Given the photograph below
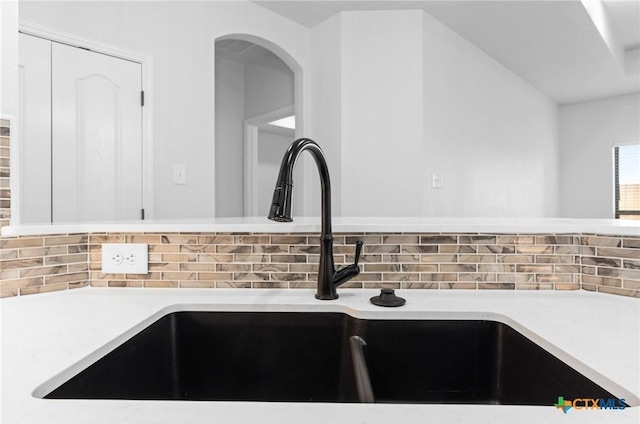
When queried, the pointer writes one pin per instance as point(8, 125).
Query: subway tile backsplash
point(607, 264)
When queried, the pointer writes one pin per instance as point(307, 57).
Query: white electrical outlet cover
point(125, 258)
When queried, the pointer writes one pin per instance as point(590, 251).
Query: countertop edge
point(344, 225)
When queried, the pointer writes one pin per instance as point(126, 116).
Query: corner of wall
point(9, 58)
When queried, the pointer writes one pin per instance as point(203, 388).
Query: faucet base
point(326, 296)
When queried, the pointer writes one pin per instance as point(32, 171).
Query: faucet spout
point(328, 278)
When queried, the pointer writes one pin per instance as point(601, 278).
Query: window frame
point(616, 181)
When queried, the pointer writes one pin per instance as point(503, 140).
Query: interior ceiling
point(249, 53)
point(553, 45)
point(625, 15)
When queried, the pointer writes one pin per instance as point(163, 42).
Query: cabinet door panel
point(97, 141)
point(35, 129)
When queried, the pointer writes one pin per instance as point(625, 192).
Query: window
point(627, 181)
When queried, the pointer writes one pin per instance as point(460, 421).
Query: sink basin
point(305, 357)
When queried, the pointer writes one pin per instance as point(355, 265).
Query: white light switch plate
point(125, 258)
point(179, 174)
point(436, 181)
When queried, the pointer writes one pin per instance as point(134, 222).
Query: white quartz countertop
point(46, 334)
point(345, 225)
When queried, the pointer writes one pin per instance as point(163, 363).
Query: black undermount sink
point(302, 357)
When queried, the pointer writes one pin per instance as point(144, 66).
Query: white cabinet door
point(96, 136)
point(35, 130)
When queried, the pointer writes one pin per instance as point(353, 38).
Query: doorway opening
point(267, 137)
point(254, 87)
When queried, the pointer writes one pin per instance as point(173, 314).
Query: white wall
point(588, 132)
point(180, 36)
point(382, 110)
point(266, 90)
point(326, 111)
point(230, 117)
point(489, 135)
point(9, 58)
point(411, 98)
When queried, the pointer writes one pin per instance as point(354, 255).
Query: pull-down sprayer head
point(280, 210)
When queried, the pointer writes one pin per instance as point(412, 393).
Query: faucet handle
point(348, 272)
point(359, 244)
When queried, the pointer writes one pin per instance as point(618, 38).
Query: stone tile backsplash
point(611, 264)
point(5, 173)
point(37, 264)
point(442, 261)
point(605, 264)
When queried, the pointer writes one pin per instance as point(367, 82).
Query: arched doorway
point(255, 85)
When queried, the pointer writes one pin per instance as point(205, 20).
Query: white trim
point(214, 139)
point(613, 180)
point(147, 139)
point(250, 164)
point(52, 34)
point(614, 146)
point(251, 155)
point(626, 143)
point(146, 62)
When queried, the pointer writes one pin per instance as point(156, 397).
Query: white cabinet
point(94, 133)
